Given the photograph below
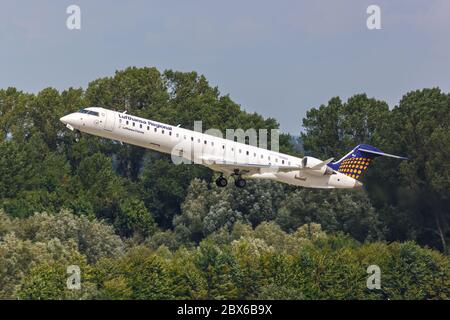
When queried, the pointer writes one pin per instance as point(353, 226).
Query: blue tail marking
point(357, 161)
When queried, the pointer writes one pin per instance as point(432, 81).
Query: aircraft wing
point(246, 168)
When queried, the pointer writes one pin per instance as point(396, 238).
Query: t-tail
point(357, 161)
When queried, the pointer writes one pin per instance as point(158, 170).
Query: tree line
point(240, 263)
point(140, 227)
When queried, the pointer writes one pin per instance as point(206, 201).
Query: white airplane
point(228, 157)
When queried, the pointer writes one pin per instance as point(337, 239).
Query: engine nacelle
point(322, 171)
point(310, 166)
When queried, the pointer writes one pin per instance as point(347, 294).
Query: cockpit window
point(94, 113)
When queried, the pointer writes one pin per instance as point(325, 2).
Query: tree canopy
point(140, 227)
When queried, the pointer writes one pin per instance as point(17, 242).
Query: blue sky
point(278, 58)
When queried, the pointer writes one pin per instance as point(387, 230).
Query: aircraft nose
point(65, 119)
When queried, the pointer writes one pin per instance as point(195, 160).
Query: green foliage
point(262, 263)
point(412, 201)
point(168, 239)
point(335, 210)
point(163, 194)
point(134, 219)
point(220, 269)
point(208, 208)
point(146, 273)
point(140, 227)
point(421, 123)
point(48, 281)
point(334, 129)
point(35, 253)
point(116, 289)
point(94, 239)
point(18, 256)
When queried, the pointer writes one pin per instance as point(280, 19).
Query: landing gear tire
point(77, 136)
point(240, 183)
point(221, 182)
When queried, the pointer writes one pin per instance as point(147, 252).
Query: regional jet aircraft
point(228, 157)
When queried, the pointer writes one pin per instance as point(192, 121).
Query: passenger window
point(128, 122)
point(156, 129)
point(282, 161)
point(223, 146)
point(140, 126)
point(134, 124)
point(205, 142)
point(170, 133)
point(148, 128)
point(162, 131)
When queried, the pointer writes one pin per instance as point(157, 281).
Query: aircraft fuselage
point(222, 155)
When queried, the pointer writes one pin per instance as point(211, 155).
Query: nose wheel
point(77, 136)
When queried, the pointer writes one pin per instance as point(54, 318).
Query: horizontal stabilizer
point(380, 153)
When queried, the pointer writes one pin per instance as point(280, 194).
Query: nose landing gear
point(77, 134)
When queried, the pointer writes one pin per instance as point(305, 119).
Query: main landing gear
point(239, 182)
point(221, 182)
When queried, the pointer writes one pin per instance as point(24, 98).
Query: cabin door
point(109, 122)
